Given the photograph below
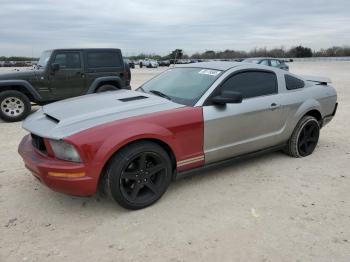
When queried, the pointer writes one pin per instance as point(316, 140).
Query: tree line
point(17, 58)
point(297, 51)
point(293, 52)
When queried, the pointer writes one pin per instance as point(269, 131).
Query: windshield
point(182, 85)
point(45, 56)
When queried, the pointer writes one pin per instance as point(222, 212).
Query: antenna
point(175, 57)
point(31, 62)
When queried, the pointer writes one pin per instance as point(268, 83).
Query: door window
point(252, 83)
point(68, 60)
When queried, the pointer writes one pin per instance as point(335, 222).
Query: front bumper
point(40, 165)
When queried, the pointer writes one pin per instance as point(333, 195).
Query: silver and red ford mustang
point(134, 143)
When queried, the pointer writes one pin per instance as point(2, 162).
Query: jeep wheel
point(14, 106)
point(304, 138)
point(138, 175)
point(105, 88)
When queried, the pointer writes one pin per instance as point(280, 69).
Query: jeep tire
point(14, 106)
point(105, 88)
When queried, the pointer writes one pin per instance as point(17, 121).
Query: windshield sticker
point(209, 72)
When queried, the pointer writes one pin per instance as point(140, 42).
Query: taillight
point(126, 75)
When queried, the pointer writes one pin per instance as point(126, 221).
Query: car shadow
point(98, 203)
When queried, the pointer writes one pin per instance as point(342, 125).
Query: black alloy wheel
point(308, 138)
point(304, 138)
point(143, 177)
point(139, 174)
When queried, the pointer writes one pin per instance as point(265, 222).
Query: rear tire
point(304, 138)
point(14, 106)
point(106, 88)
point(138, 175)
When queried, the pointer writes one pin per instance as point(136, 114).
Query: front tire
point(138, 175)
point(14, 106)
point(304, 138)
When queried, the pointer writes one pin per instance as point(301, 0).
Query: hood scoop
point(128, 99)
point(52, 118)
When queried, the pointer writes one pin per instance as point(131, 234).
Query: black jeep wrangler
point(61, 74)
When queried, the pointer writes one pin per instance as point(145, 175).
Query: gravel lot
point(271, 208)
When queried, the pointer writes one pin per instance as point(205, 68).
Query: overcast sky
point(159, 26)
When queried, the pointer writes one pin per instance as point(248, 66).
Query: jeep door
point(253, 124)
point(69, 79)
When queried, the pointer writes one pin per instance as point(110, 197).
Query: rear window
point(252, 60)
point(103, 59)
point(293, 82)
point(275, 63)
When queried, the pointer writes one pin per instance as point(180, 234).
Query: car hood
point(26, 74)
point(64, 118)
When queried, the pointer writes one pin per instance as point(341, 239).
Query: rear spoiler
point(318, 79)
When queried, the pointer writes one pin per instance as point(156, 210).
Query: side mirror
point(227, 97)
point(55, 67)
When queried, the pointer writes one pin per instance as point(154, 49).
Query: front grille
point(38, 143)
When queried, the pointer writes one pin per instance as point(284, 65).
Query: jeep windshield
point(182, 85)
point(44, 58)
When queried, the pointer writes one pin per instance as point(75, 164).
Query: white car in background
point(149, 63)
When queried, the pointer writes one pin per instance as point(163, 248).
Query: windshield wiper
point(158, 93)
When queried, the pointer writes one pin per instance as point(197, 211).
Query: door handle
point(81, 74)
point(274, 106)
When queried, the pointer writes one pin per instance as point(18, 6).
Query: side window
point(264, 62)
point(252, 84)
point(293, 82)
point(275, 63)
point(68, 60)
point(103, 59)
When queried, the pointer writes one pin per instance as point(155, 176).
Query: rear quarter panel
point(300, 101)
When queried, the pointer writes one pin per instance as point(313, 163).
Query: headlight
point(64, 151)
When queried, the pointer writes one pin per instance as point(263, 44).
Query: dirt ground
point(270, 208)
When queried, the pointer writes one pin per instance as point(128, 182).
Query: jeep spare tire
point(14, 106)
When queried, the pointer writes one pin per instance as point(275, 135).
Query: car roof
point(261, 58)
point(84, 49)
point(217, 65)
